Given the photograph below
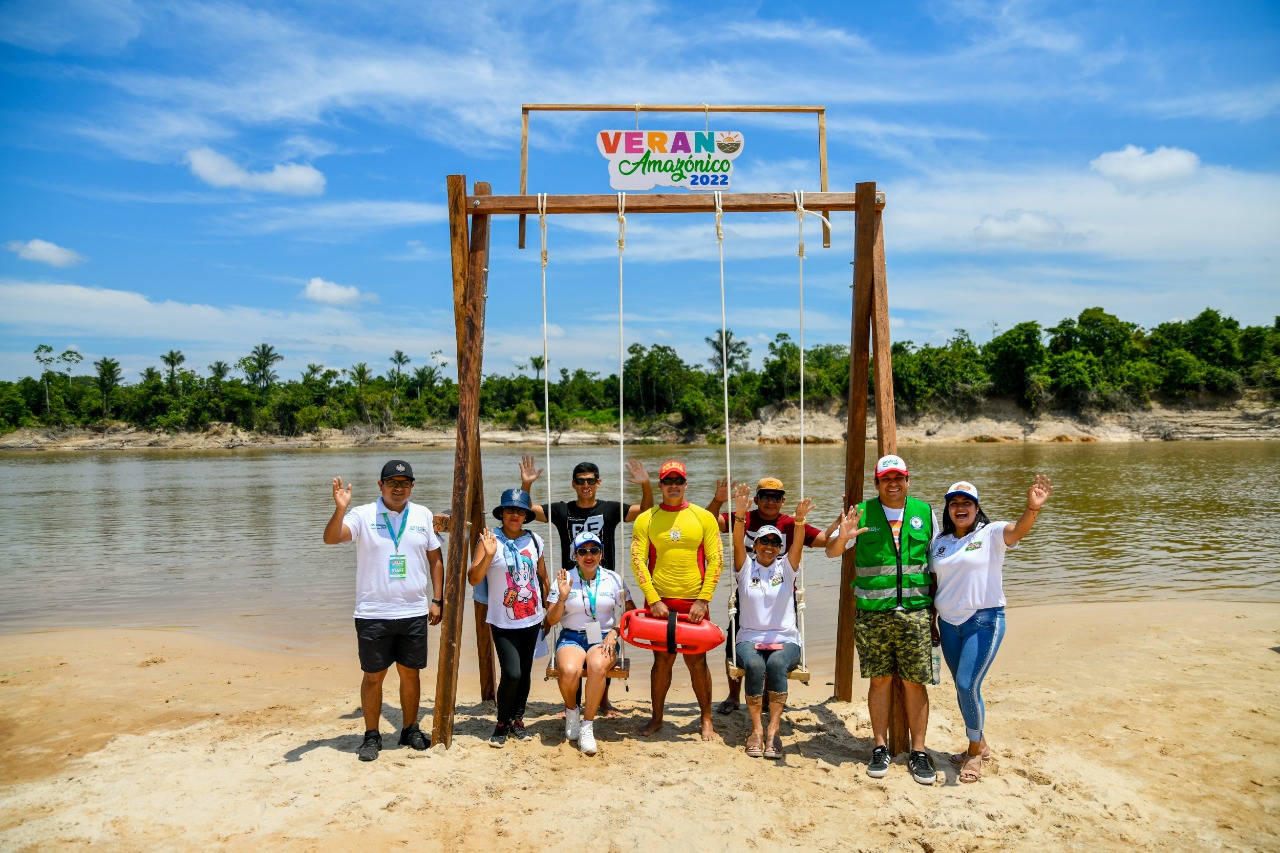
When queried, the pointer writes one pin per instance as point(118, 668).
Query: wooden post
point(886, 422)
point(856, 431)
point(484, 637)
point(469, 285)
point(822, 174)
point(524, 167)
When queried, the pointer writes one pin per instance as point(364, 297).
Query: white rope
point(724, 374)
point(546, 380)
point(801, 213)
point(622, 355)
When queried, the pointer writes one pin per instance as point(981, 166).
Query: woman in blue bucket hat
point(509, 561)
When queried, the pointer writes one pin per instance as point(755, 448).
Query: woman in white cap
point(768, 641)
point(583, 603)
point(509, 560)
point(968, 563)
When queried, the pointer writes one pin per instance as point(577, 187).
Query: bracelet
point(439, 601)
point(739, 518)
point(1029, 509)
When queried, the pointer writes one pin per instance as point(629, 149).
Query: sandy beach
point(1150, 725)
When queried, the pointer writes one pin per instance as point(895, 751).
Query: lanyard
point(590, 592)
point(395, 536)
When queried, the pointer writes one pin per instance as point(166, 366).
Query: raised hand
point(741, 498)
point(722, 489)
point(488, 543)
point(803, 509)
point(637, 471)
point(1039, 492)
point(849, 528)
point(341, 494)
point(563, 582)
point(529, 472)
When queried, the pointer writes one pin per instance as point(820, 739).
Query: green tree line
point(1093, 361)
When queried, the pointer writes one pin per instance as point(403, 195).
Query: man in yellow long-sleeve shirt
point(676, 558)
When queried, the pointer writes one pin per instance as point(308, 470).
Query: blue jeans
point(767, 665)
point(969, 649)
point(570, 637)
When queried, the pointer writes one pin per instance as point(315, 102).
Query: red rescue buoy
point(674, 634)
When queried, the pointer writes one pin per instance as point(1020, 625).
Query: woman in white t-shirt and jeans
point(583, 602)
point(968, 563)
point(768, 641)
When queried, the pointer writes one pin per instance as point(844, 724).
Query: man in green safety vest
point(894, 593)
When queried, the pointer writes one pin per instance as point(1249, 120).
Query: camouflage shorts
point(894, 642)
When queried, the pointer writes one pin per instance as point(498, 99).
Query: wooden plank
point(485, 654)
point(469, 275)
point(855, 431)
point(822, 175)
point(671, 108)
point(662, 203)
point(524, 167)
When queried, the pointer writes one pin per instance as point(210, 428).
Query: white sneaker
point(572, 722)
point(587, 738)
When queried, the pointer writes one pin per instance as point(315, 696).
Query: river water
point(229, 543)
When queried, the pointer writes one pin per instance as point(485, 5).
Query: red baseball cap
point(672, 467)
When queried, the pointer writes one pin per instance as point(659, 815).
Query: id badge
point(399, 566)
point(593, 633)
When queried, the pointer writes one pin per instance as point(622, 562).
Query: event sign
point(694, 159)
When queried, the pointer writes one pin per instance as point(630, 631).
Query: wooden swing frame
point(469, 231)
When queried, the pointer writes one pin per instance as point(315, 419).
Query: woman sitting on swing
point(768, 644)
point(585, 599)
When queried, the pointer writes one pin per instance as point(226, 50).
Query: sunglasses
point(770, 496)
point(589, 552)
point(398, 484)
point(585, 481)
point(770, 540)
point(673, 481)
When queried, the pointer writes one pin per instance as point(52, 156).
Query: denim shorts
point(570, 637)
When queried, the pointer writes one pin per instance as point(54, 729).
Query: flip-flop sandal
point(728, 706)
point(972, 769)
point(774, 750)
point(754, 749)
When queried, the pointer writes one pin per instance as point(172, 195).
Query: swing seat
point(798, 674)
point(621, 669)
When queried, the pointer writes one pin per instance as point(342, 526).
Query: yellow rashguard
point(676, 553)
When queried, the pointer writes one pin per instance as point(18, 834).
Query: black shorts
point(383, 642)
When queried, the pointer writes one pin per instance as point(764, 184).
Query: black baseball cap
point(396, 468)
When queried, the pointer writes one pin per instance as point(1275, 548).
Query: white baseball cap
point(891, 463)
point(962, 488)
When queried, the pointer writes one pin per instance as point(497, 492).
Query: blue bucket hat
point(516, 498)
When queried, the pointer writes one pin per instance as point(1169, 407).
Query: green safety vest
point(886, 577)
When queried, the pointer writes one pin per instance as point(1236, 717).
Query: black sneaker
point(879, 765)
point(518, 729)
point(499, 737)
point(922, 768)
point(371, 746)
point(414, 737)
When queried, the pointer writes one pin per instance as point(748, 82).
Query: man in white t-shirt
point(395, 545)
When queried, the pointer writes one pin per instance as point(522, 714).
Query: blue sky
point(205, 176)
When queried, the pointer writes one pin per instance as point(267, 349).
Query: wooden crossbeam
point(665, 203)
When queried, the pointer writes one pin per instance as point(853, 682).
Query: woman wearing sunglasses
point(583, 602)
point(768, 641)
point(968, 567)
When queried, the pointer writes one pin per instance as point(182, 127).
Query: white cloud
point(1135, 169)
point(1241, 105)
point(285, 178)
point(1029, 227)
point(332, 293)
point(45, 252)
point(343, 216)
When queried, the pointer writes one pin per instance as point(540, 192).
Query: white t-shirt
point(970, 572)
point(515, 598)
point(609, 592)
point(387, 590)
point(765, 606)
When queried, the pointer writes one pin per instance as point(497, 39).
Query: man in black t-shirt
point(586, 513)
